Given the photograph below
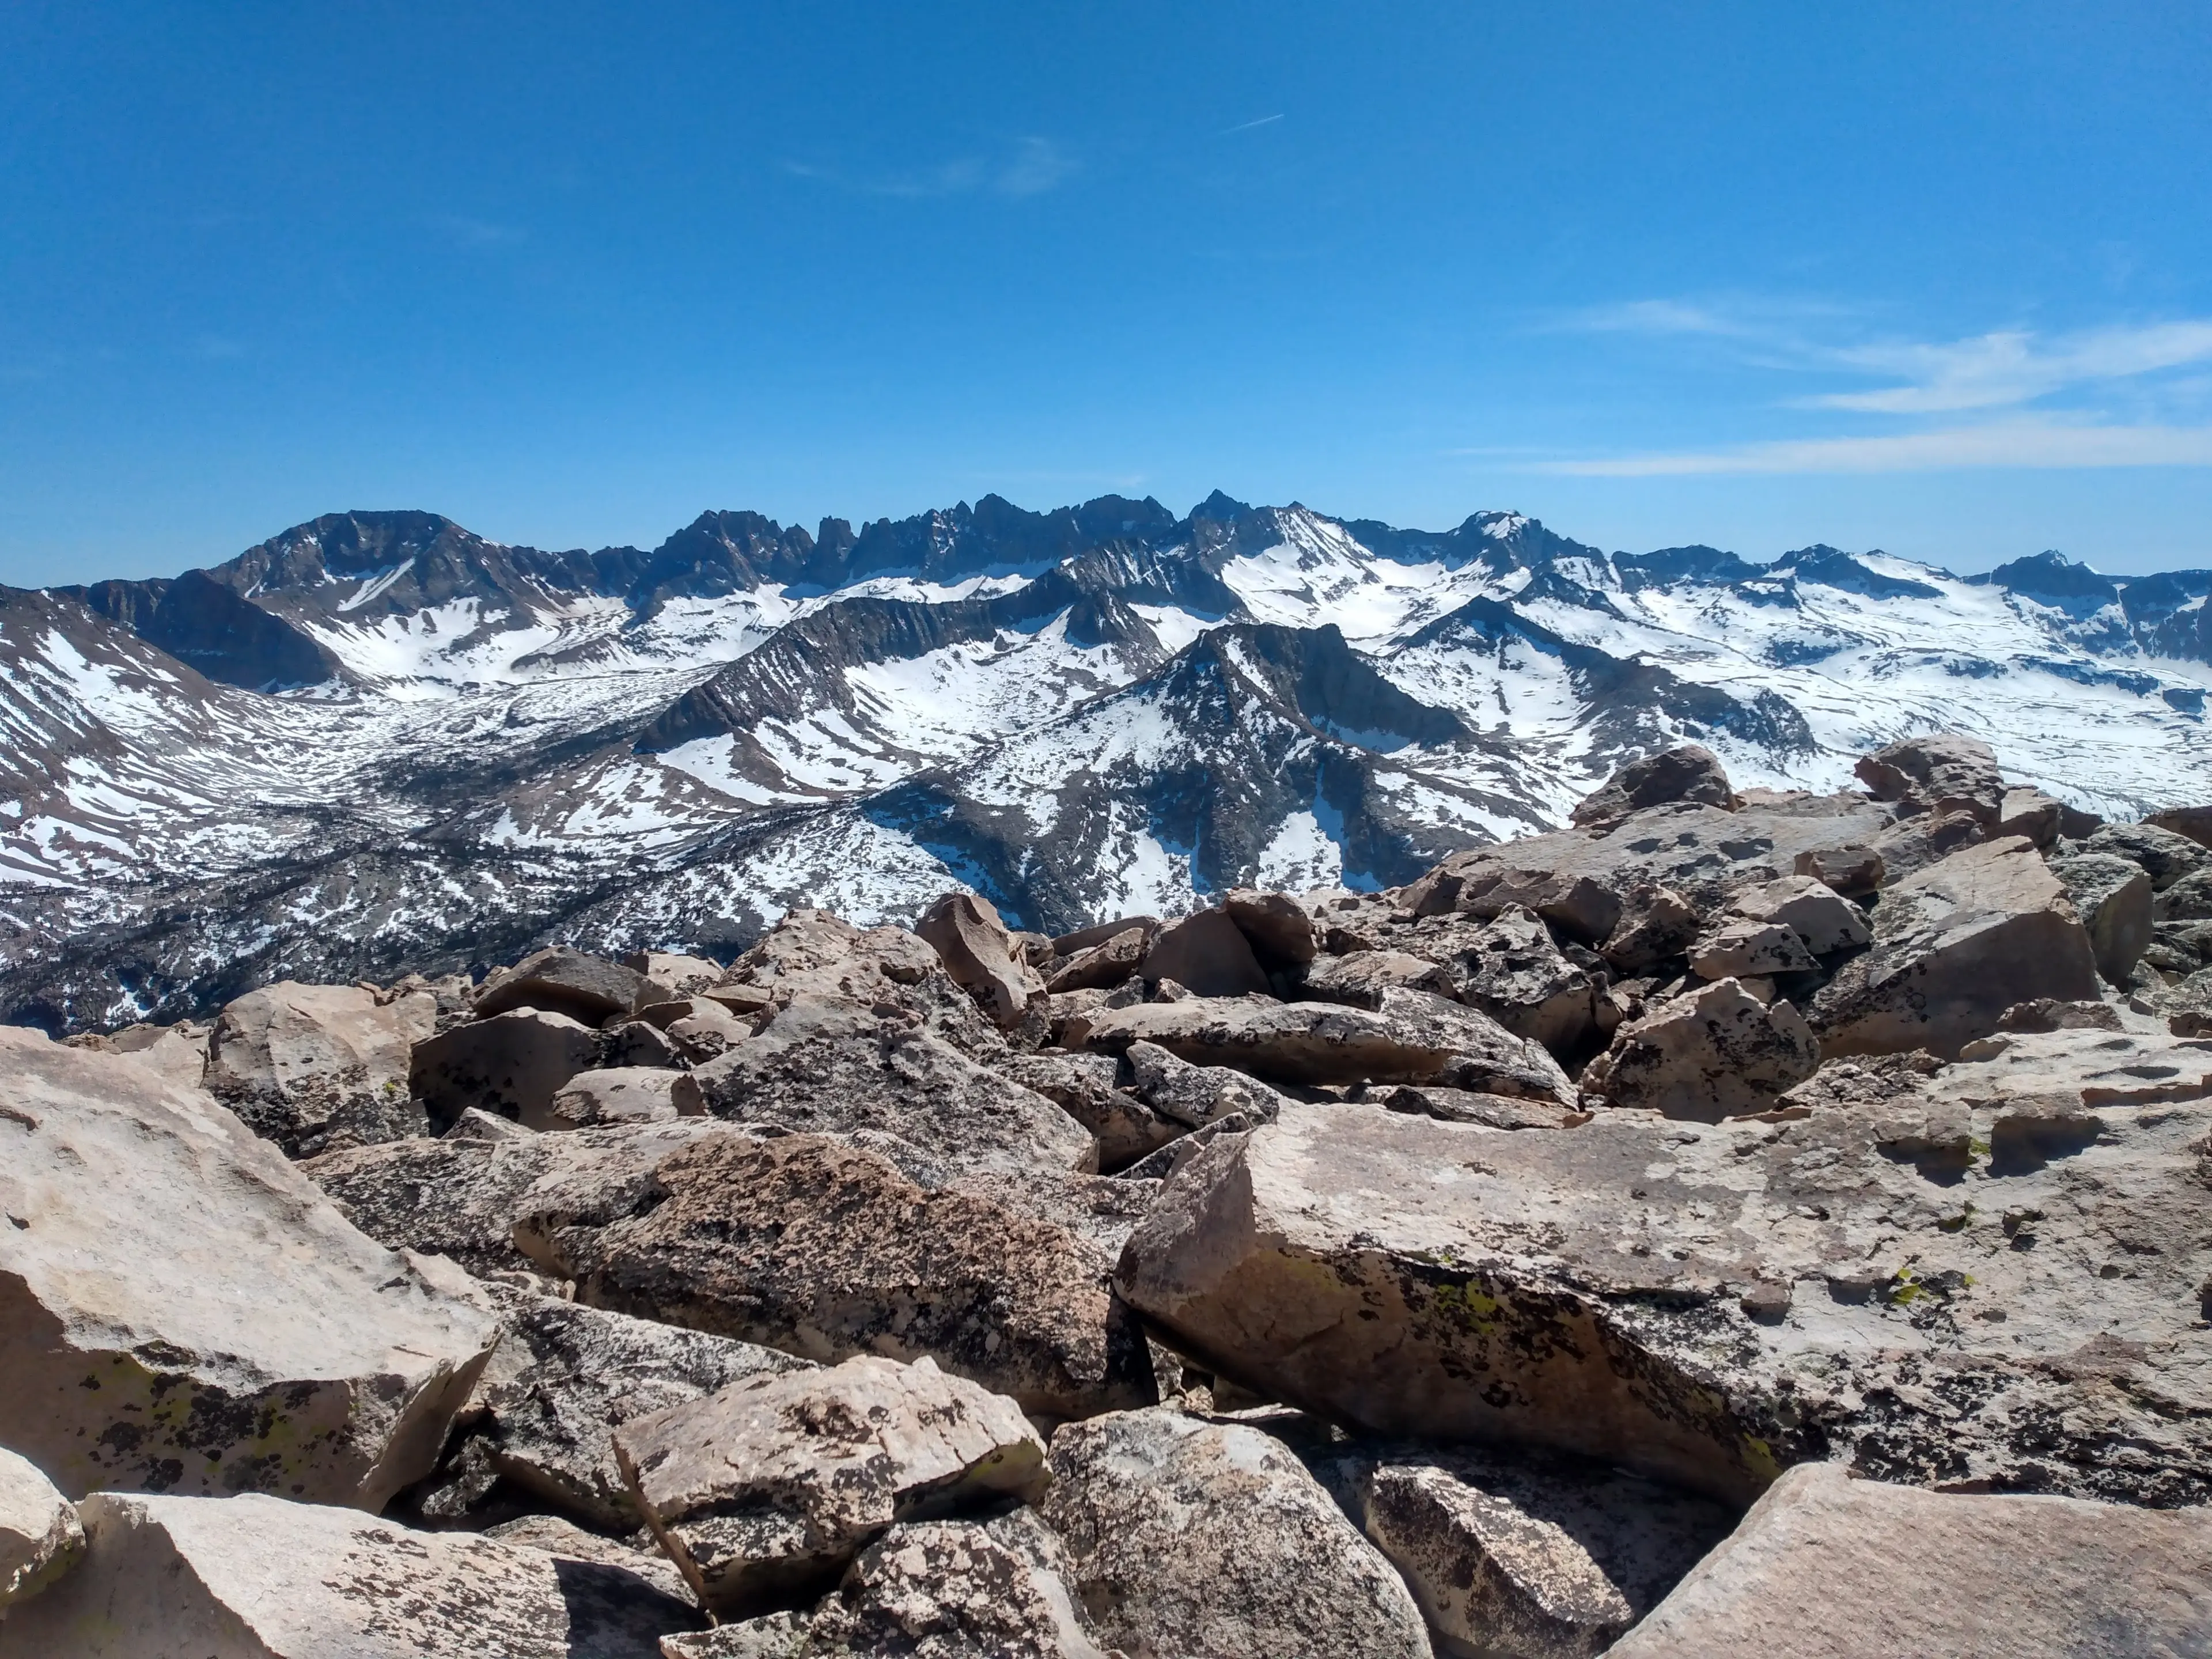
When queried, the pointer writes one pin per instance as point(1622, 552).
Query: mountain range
point(378, 742)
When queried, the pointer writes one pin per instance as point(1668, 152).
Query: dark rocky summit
point(1743, 1223)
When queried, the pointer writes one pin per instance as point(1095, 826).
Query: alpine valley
point(378, 743)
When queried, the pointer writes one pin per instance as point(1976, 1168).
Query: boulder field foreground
point(1741, 1223)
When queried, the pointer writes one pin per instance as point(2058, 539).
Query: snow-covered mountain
point(378, 741)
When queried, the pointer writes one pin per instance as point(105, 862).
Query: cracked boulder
point(826, 1250)
point(1828, 1567)
point(765, 1490)
point(824, 1068)
point(1712, 1053)
point(1710, 1303)
point(1414, 1037)
point(318, 1067)
point(1954, 946)
point(1195, 1537)
point(40, 1536)
point(181, 1310)
point(253, 1578)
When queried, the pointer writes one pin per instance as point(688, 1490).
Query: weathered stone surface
point(1656, 925)
point(1195, 1096)
point(253, 1578)
point(821, 1068)
point(1954, 946)
point(677, 975)
point(571, 1375)
point(1712, 1053)
point(1360, 979)
point(1082, 938)
point(39, 1537)
point(1191, 1537)
point(826, 1250)
point(177, 1053)
point(928, 1589)
point(1280, 929)
point(1744, 949)
point(710, 1030)
point(513, 1064)
point(766, 1487)
point(1854, 871)
point(813, 953)
point(560, 981)
point(1465, 1106)
point(1105, 963)
point(639, 1042)
point(1828, 1567)
point(2164, 856)
point(565, 1539)
point(315, 1067)
point(2193, 822)
point(460, 1196)
point(1206, 953)
point(1943, 772)
point(1526, 1556)
point(1518, 976)
point(979, 953)
point(1413, 1038)
point(1689, 773)
point(1087, 1088)
point(620, 1094)
point(181, 1310)
point(2112, 897)
point(1824, 919)
point(2031, 813)
point(1710, 1303)
point(2188, 899)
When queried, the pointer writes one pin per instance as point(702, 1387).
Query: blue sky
point(1933, 278)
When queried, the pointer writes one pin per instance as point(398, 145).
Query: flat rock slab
point(181, 1309)
point(39, 1537)
point(821, 1068)
point(826, 1250)
point(1412, 1037)
point(762, 1488)
point(1828, 1567)
point(1195, 1537)
point(570, 1375)
point(254, 1577)
point(460, 1196)
point(942, 1588)
point(1711, 1303)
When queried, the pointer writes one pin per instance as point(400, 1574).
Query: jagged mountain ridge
point(379, 741)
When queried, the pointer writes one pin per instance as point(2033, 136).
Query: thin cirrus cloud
point(2040, 393)
point(1030, 167)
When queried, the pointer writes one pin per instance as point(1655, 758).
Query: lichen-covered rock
point(253, 1578)
point(460, 1196)
point(2161, 855)
point(1690, 772)
point(1828, 1567)
point(1941, 773)
point(928, 1589)
point(1195, 1096)
point(566, 1541)
point(812, 953)
point(1087, 1087)
point(181, 1310)
point(1743, 949)
point(572, 1374)
point(1360, 979)
point(1822, 918)
point(620, 1094)
point(1523, 1555)
point(1937, 1287)
point(764, 1489)
point(1191, 1537)
point(41, 1538)
point(1954, 946)
point(1656, 925)
point(316, 1067)
point(1415, 1037)
point(825, 1068)
point(512, 1064)
point(560, 981)
point(1712, 1053)
point(827, 1251)
point(1519, 977)
point(979, 954)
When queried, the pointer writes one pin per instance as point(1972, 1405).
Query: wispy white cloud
point(2107, 396)
point(1029, 167)
point(2015, 443)
point(1247, 126)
